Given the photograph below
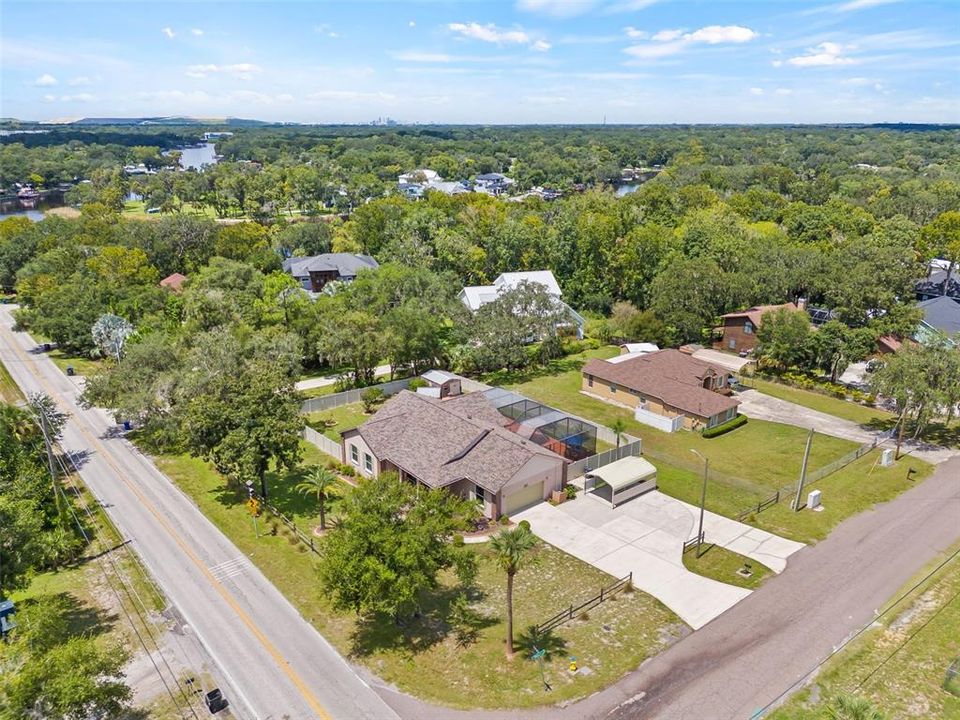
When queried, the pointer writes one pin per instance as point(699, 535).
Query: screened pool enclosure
point(558, 432)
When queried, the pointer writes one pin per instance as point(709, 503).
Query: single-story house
point(664, 387)
point(941, 318)
point(314, 272)
point(739, 330)
point(174, 282)
point(638, 348)
point(460, 443)
point(476, 296)
point(418, 177)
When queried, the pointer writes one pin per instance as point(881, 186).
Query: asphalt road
point(277, 664)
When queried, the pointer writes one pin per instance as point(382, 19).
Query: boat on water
point(28, 198)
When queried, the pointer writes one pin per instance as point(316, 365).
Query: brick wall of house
point(733, 331)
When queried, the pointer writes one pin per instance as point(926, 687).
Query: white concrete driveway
point(733, 363)
point(645, 536)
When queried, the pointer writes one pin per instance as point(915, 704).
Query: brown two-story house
point(739, 329)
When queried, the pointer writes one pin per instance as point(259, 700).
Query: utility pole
point(703, 499)
point(803, 472)
point(45, 427)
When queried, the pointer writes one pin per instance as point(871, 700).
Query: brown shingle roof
point(443, 441)
point(755, 314)
point(174, 282)
point(670, 376)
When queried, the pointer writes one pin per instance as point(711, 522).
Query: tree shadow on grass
point(529, 641)
point(935, 434)
point(82, 618)
point(418, 634)
point(523, 375)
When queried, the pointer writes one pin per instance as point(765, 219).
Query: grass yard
point(81, 365)
point(9, 391)
point(319, 391)
point(900, 664)
point(342, 418)
point(137, 210)
point(426, 659)
point(721, 564)
point(860, 414)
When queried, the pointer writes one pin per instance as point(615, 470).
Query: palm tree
point(851, 707)
point(322, 483)
point(511, 550)
point(618, 427)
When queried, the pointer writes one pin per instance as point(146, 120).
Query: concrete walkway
point(756, 404)
point(645, 536)
point(316, 382)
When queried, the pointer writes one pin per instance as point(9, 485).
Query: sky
point(492, 62)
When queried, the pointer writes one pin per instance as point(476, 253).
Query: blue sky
point(499, 61)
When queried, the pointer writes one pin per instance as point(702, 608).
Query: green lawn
point(137, 210)
point(319, 391)
point(425, 659)
point(80, 364)
point(9, 391)
point(860, 414)
point(721, 564)
point(909, 650)
point(343, 418)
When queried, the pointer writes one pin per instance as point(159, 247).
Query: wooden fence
point(571, 612)
point(692, 543)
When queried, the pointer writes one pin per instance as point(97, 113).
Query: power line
point(759, 713)
point(105, 553)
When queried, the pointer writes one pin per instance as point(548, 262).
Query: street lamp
point(703, 497)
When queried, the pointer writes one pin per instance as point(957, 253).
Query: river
point(197, 156)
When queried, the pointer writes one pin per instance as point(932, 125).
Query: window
point(732, 344)
point(354, 455)
point(748, 328)
point(589, 380)
point(478, 493)
point(367, 462)
point(613, 388)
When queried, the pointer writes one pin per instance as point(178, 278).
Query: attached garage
point(522, 498)
point(621, 480)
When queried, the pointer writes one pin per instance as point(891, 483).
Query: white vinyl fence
point(323, 443)
point(578, 468)
point(328, 402)
point(660, 422)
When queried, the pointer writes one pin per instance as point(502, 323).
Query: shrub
point(571, 492)
point(458, 540)
point(525, 524)
point(371, 398)
point(504, 520)
point(417, 382)
point(726, 427)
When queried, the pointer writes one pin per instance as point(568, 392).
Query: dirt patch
point(923, 604)
point(65, 212)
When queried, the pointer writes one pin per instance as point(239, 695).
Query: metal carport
point(621, 480)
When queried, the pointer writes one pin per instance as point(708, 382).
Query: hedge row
point(725, 427)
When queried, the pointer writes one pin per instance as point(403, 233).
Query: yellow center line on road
point(282, 663)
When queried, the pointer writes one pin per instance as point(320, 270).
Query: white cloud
point(168, 32)
point(823, 55)
point(325, 29)
point(79, 81)
point(540, 46)
point(196, 32)
point(632, 32)
point(45, 80)
point(79, 97)
point(671, 42)
point(243, 71)
point(777, 63)
point(557, 8)
point(714, 34)
point(667, 35)
point(490, 33)
point(756, 91)
point(860, 5)
point(783, 91)
point(411, 24)
point(625, 6)
point(49, 98)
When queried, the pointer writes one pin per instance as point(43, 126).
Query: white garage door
point(523, 498)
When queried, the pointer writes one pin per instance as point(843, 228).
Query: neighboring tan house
point(739, 330)
point(314, 272)
point(667, 389)
point(476, 296)
point(460, 443)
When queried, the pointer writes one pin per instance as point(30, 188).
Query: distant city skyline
point(529, 61)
